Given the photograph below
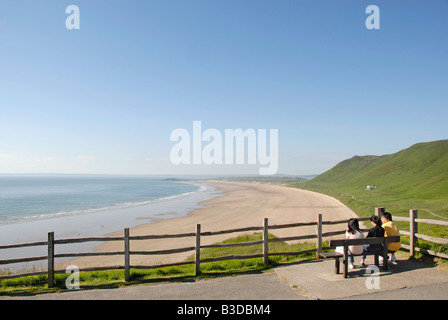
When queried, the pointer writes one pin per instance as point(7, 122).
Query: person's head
point(375, 220)
point(353, 225)
point(386, 217)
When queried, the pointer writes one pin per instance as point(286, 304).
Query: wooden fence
point(198, 234)
point(414, 235)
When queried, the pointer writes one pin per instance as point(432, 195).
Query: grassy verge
point(115, 278)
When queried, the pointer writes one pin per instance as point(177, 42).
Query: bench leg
point(345, 261)
point(385, 266)
point(336, 265)
point(377, 261)
point(345, 267)
point(385, 258)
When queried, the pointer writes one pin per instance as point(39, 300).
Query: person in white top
point(353, 232)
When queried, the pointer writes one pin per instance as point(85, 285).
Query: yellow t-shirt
point(391, 229)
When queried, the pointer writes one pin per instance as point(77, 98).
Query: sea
point(74, 206)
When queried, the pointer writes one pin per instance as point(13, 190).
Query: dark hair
point(387, 215)
point(376, 219)
point(353, 226)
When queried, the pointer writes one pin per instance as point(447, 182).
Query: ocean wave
point(10, 220)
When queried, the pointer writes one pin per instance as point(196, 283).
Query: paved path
point(301, 281)
point(405, 280)
point(260, 286)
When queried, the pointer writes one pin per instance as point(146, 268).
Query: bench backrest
point(372, 240)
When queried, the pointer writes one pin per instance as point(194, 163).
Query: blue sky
point(105, 98)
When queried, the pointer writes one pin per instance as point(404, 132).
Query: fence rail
point(414, 235)
point(198, 235)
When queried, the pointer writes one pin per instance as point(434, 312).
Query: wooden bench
point(384, 241)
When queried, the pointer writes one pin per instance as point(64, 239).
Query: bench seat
point(345, 243)
point(335, 256)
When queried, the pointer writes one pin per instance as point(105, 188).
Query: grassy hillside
point(413, 178)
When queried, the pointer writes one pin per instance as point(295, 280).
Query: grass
point(254, 264)
point(115, 278)
point(414, 178)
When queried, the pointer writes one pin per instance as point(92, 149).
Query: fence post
point(50, 259)
point(265, 242)
point(319, 236)
point(412, 230)
point(127, 275)
point(379, 211)
point(415, 222)
point(197, 269)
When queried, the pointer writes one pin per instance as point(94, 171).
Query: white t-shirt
point(352, 249)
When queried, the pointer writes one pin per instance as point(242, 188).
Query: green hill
point(413, 178)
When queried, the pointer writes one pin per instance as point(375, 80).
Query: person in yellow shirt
point(390, 229)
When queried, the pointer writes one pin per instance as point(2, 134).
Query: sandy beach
point(240, 205)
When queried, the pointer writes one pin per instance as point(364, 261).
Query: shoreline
point(236, 205)
point(93, 224)
point(50, 216)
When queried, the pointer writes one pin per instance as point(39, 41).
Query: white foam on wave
point(124, 205)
